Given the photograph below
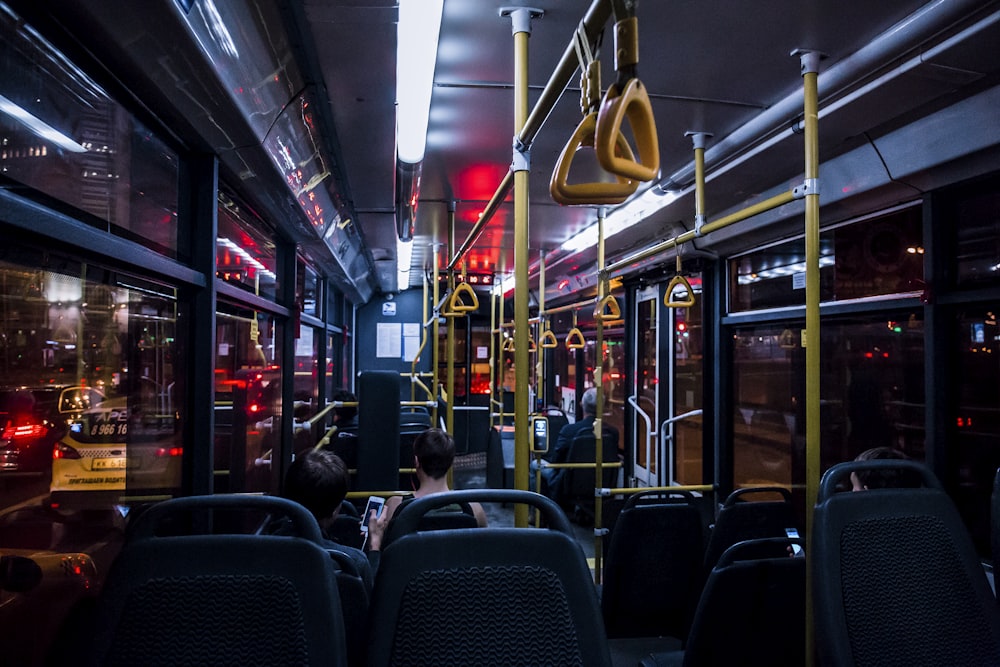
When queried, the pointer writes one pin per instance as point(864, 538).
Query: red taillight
point(254, 408)
point(63, 451)
point(23, 432)
point(163, 452)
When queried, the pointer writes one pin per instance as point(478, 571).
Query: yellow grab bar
point(508, 345)
point(607, 309)
point(548, 340)
point(633, 102)
point(575, 339)
point(681, 281)
point(456, 306)
point(567, 194)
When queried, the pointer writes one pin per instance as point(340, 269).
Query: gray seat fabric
point(653, 568)
point(897, 579)
point(751, 612)
point(197, 599)
point(494, 596)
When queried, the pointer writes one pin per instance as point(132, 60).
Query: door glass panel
point(646, 385)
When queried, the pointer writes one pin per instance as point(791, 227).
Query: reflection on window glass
point(978, 230)
point(90, 425)
point(247, 400)
point(872, 394)
point(245, 252)
point(306, 383)
point(306, 289)
point(976, 420)
point(870, 258)
point(62, 135)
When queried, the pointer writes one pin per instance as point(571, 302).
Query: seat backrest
point(219, 598)
point(453, 516)
point(740, 519)
point(897, 580)
point(652, 570)
point(496, 596)
point(754, 599)
point(355, 600)
point(578, 483)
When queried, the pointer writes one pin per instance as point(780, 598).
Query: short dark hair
point(435, 450)
point(885, 479)
point(317, 480)
point(345, 413)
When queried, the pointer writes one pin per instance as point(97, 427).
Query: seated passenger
point(552, 477)
point(317, 480)
point(345, 416)
point(433, 455)
point(864, 480)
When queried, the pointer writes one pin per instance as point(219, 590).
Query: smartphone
point(374, 503)
point(793, 533)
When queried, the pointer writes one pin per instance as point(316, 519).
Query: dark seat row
point(187, 590)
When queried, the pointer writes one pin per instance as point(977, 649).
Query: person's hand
point(376, 529)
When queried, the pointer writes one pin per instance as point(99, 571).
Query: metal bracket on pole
point(810, 186)
point(808, 59)
point(520, 17)
point(521, 157)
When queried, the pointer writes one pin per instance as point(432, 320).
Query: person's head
point(863, 480)
point(434, 451)
point(317, 480)
point(589, 402)
point(344, 414)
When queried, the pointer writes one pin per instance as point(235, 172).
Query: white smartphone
point(793, 533)
point(374, 503)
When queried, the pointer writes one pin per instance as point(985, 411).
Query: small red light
point(681, 326)
point(869, 355)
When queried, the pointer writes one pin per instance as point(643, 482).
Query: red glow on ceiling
point(480, 181)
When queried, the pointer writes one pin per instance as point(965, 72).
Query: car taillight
point(23, 431)
point(163, 452)
point(64, 451)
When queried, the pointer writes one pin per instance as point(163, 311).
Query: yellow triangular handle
point(608, 309)
point(633, 102)
point(548, 340)
point(678, 281)
point(508, 345)
point(531, 344)
point(456, 306)
point(575, 340)
point(579, 194)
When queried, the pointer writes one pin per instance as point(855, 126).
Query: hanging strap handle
point(678, 281)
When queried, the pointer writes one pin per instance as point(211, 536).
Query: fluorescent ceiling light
point(623, 217)
point(404, 254)
point(39, 127)
point(416, 54)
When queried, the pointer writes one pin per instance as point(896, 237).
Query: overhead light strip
point(416, 55)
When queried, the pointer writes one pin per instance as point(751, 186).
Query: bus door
point(645, 396)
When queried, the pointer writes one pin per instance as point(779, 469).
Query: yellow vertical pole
point(450, 372)
point(698, 139)
point(540, 351)
point(521, 22)
point(602, 289)
point(436, 326)
point(810, 69)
